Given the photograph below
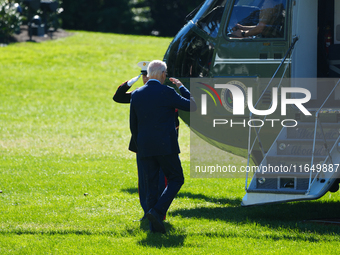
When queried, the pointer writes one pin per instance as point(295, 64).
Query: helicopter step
point(293, 161)
point(287, 173)
point(305, 130)
point(303, 147)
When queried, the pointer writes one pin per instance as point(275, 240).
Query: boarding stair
point(301, 164)
point(288, 168)
point(303, 161)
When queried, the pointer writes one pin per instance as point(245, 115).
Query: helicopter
point(265, 76)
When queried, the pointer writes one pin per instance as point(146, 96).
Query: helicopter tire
point(335, 186)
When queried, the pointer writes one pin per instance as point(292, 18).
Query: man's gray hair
point(156, 67)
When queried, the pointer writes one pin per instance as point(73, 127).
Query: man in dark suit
point(123, 96)
point(152, 113)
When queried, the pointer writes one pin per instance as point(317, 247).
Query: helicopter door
point(304, 59)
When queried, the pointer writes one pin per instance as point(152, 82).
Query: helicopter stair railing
point(293, 155)
point(257, 131)
point(329, 157)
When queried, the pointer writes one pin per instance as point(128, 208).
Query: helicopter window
point(257, 19)
point(210, 19)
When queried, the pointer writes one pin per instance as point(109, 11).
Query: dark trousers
point(172, 169)
point(142, 190)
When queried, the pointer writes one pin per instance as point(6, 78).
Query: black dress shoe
point(156, 222)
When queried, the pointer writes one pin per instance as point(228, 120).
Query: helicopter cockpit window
point(257, 19)
point(209, 17)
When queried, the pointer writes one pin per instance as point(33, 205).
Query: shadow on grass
point(131, 190)
point(233, 202)
point(294, 215)
point(158, 240)
point(223, 201)
point(170, 239)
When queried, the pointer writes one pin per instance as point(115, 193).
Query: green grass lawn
point(62, 136)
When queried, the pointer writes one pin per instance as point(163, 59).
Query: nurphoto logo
point(237, 96)
point(230, 112)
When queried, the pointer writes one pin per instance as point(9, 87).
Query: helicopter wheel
point(335, 186)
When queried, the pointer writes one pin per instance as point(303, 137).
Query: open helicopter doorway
point(328, 48)
point(317, 52)
point(329, 42)
point(328, 45)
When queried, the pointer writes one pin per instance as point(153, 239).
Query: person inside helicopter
point(270, 22)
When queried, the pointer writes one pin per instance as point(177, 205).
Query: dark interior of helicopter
point(328, 52)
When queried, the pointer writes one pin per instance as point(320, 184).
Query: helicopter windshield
point(257, 19)
point(209, 16)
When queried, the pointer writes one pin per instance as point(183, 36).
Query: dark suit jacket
point(152, 113)
point(123, 96)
